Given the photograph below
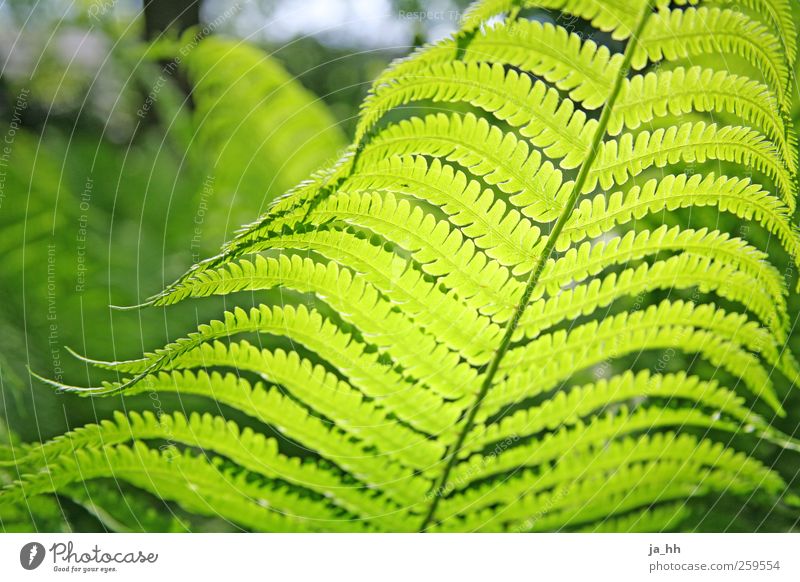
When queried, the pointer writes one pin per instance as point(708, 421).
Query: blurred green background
point(130, 151)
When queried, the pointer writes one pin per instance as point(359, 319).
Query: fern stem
point(536, 273)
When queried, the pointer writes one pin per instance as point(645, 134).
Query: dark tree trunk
point(161, 15)
point(177, 16)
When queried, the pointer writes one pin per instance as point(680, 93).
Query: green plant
point(517, 317)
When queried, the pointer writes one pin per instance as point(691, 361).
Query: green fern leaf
point(526, 312)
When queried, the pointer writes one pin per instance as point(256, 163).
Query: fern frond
point(681, 91)
point(661, 468)
point(39, 513)
point(578, 420)
point(581, 68)
point(350, 294)
point(216, 490)
point(501, 159)
point(776, 13)
point(703, 329)
point(122, 511)
point(578, 464)
point(249, 449)
point(297, 423)
point(629, 155)
point(680, 34)
point(418, 406)
point(740, 197)
point(590, 259)
point(503, 233)
point(619, 17)
point(482, 310)
point(679, 272)
point(550, 122)
point(659, 519)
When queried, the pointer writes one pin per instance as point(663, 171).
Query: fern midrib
point(533, 279)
